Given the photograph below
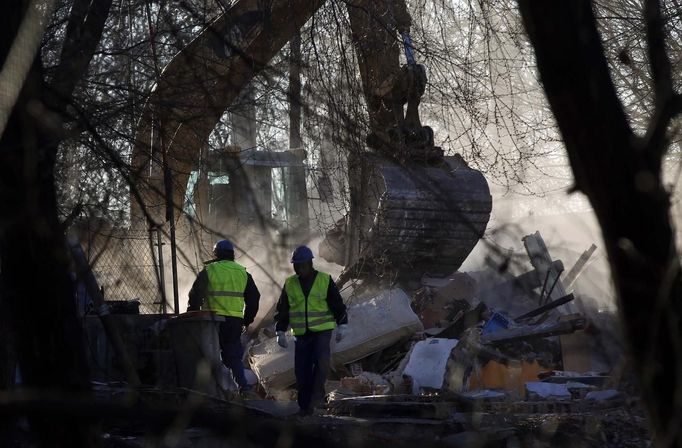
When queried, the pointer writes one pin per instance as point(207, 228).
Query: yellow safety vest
point(226, 286)
point(310, 312)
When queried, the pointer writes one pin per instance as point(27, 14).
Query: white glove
point(341, 332)
point(282, 339)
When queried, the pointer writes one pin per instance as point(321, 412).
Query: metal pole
point(174, 268)
point(170, 217)
point(162, 275)
point(166, 175)
point(409, 49)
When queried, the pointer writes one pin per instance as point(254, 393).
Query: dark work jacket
point(251, 296)
point(334, 301)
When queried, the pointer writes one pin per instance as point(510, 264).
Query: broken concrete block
point(367, 383)
point(374, 325)
point(428, 362)
point(578, 390)
point(565, 376)
point(356, 385)
point(602, 395)
point(374, 378)
point(546, 391)
point(436, 299)
point(484, 394)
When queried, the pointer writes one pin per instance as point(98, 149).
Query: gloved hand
point(282, 339)
point(341, 332)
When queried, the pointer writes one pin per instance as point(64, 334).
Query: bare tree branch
point(83, 33)
point(667, 102)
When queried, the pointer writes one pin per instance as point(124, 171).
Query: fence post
point(170, 217)
point(162, 275)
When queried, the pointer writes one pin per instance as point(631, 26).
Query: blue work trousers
point(231, 349)
point(313, 354)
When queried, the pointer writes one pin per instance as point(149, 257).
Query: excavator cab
point(251, 193)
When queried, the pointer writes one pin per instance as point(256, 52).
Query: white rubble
point(548, 391)
point(373, 325)
point(428, 362)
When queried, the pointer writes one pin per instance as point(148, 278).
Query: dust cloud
point(567, 225)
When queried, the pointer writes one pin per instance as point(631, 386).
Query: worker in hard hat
point(224, 287)
point(311, 304)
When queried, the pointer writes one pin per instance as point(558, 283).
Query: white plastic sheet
point(373, 325)
point(428, 362)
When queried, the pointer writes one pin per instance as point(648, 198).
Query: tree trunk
point(35, 282)
point(621, 176)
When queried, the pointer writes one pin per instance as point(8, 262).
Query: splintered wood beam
point(542, 262)
point(578, 267)
point(536, 331)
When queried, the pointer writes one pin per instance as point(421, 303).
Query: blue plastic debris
point(496, 322)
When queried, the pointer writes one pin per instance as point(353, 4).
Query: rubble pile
point(471, 359)
point(455, 347)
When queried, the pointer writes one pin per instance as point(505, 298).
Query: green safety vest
point(226, 285)
point(310, 312)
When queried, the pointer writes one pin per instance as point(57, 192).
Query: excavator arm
point(411, 210)
point(196, 88)
point(380, 28)
point(201, 82)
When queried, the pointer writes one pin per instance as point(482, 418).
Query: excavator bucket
point(429, 219)
point(426, 220)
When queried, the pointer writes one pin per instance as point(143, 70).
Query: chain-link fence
point(126, 265)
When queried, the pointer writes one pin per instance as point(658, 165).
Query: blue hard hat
point(302, 254)
point(221, 247)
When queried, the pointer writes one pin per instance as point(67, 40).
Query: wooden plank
point(535, 331)
point(578, 267)
point(544, 308)
point(542, 262)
